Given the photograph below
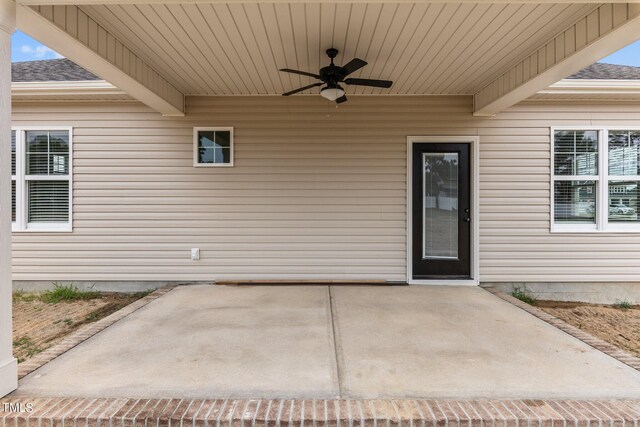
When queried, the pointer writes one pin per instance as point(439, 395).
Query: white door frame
point(474, 142)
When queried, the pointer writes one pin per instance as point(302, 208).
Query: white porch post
point(8, 364)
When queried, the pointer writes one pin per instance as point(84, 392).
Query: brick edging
point(587, 338)
point(317, 413)
point(87, 331)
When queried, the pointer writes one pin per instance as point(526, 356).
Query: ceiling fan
point(332, 75)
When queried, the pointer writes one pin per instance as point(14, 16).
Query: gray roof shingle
point(601, 71)
point(62, 70)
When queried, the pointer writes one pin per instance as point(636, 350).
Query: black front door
point(441, 212)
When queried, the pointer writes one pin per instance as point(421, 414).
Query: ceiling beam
point(73, 34)
point(605, 30)
point(108, 2)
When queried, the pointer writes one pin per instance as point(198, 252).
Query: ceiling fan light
point(332, 93)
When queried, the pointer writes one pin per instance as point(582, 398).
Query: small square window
point(213, 146)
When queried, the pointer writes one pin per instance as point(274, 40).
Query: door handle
point(467, 210)
point(466, 219)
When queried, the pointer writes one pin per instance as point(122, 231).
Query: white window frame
point(602, 224)
point(21, 224)
point(195, 147)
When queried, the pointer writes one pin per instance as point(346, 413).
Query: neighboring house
point(108, 190)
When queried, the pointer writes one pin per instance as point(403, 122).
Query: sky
point(24, 48)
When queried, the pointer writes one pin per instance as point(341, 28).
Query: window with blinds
point(13, 176)
point(48, 201)
point(595, 177)
point(41, 172)
point(575, 167)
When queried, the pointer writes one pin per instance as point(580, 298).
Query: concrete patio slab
point(463, 343)
point(319, 342)
point(205, 341)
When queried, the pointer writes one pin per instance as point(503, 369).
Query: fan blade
point(302, 73)
point(369, 82)
point(354, 65)
point(302, 88)
point(342, 99)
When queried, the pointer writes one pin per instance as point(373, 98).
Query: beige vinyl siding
point(316, 192)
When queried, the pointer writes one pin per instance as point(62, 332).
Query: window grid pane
point(575, 152)
point(574, 202)
point(48, 201)
point(13, 200)
point(47, 153)
point(214, 147)
point(624, 153)
point(13, 152)
point(623, 202)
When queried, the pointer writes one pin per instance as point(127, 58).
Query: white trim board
point(474, 142)
point(62, 88)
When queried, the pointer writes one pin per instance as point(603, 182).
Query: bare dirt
point(38, 325)
point(617, 326)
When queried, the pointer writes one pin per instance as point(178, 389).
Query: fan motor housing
point(332, 74)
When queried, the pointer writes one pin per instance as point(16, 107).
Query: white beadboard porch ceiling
point(425, 48)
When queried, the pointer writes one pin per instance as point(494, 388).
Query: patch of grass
point(67, 292)
point(92, 317)
point(22, 296)
point(524, 295)
point(623, 305)
point(142, 294)
point(26, 345)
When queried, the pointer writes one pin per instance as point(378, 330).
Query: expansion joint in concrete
point(337, 347)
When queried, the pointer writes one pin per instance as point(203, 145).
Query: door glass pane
point(440, 216)
point(574, 202)
point(623, 201)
